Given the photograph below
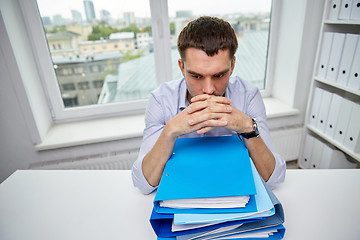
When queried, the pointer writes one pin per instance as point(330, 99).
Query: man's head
point(207, 47)
point(209, 34)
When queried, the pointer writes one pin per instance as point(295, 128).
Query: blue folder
point(162, 223)
point(273, 222)
point(263, 203)
point(207, 167)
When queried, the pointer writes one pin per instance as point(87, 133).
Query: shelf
point(339, 86)
point(356, 156)
point(342, 22)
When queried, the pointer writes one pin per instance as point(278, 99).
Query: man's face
point(204, 74)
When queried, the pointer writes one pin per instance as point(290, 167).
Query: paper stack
point(210, 189)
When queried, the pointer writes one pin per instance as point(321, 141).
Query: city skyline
point(141, 7)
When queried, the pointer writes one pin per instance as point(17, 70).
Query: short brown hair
point(209, 34)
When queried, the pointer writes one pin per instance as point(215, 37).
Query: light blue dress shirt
point(170, 98)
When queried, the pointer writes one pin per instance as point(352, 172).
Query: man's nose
point(208, 86)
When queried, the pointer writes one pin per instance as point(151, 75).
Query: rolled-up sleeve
point(154, 125)
point(256, 109)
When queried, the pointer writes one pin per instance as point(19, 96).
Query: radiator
point(287, 142)
point(110, 161)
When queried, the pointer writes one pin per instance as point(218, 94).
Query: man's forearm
point(262, 157)
point(154, 162)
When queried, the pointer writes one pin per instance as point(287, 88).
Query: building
point(84, 29)
point(89, 11)
point(108, 45)
point(63, 43)
point(46, 21)
point(143, 40)
point(105, 16)
point(129, 18)
point(58, 20)
point(81, 77)
point(76, 16)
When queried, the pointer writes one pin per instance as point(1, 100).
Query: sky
point(142, 8)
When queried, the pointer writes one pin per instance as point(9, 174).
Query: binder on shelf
point(345, 9)
point(334, 159)
point(347, 58)
point(306, 157)
point(343, 120)
point(325, 54)
point(334, 9)
point(324, 110)
point(314, 112)
point(316, 153)
point(352, 138)
point(332, 117)
point(355, 10)
point(335, 56)
point(354, 78)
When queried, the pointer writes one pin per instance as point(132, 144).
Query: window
point(251, 22)
point(124, 86)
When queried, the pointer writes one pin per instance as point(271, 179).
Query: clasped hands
point(207, 112)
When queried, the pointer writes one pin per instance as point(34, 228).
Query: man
point(205, 103)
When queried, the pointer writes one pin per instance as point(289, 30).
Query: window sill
point(92, 131)
point(117, 128)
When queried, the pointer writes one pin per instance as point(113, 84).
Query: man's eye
point(219, 75)
point(195, 76)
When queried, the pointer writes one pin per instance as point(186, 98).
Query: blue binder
point(162, 223)
point(207, 167)
point(272, 222)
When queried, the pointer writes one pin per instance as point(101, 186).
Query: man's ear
point(232, 65)
point(181, 66)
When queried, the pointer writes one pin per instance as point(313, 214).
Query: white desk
point(51, 205)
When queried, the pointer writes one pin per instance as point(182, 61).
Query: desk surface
point(318, 204)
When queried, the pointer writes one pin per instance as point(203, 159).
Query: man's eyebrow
point(193, 73)
point(198, 74)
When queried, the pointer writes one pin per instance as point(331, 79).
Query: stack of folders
point(210, 189)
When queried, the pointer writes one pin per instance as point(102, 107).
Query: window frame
point(161, 36)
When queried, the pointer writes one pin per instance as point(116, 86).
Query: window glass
point(250, 20)
point(96, 52)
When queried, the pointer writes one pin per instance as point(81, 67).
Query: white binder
point(347, 58)
point(324, 110)
point(316, 153)
point(345, 9)
point(355, 10)
point(316, 106)
point(334, 9)
point(352, 138)
point(343, 120)
point(335, 55)
point(334, 159)
point(325, 54)
point(306, 157)
point(354, 78)
point(332, 117)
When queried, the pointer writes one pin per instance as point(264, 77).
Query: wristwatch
point(253, 133)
